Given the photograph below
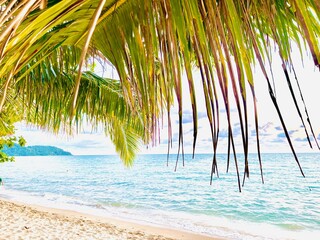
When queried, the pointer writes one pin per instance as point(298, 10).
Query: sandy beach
point(23, 221)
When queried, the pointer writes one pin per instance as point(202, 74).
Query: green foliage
point(18, 150)
point(9, 142)
point(10, 114)
point(22, 142)
point(124, 135)
point(5, 158)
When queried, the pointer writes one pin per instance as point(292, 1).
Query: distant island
point(17, 150)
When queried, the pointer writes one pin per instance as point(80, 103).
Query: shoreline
point(27, 221)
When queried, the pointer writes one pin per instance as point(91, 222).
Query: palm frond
point(152, 43)
point(126, 137)
point(46, 94)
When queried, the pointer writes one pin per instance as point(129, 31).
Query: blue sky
point(271, 133)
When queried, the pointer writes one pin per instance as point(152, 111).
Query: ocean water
point(287, 206)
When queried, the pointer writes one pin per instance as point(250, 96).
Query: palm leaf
point(151, 44)
point(100, 101)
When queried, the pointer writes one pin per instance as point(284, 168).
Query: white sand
point(22, 221)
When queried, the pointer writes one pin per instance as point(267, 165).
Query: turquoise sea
point(287, 206)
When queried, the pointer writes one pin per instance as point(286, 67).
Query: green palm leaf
point(151, 44)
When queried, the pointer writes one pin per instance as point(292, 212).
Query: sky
point(271, 133)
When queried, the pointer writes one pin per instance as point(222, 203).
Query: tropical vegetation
point(17, 150)
point(46, 44)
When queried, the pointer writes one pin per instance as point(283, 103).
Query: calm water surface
point(287, 206)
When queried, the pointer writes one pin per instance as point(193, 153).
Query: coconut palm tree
point(45, 45)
